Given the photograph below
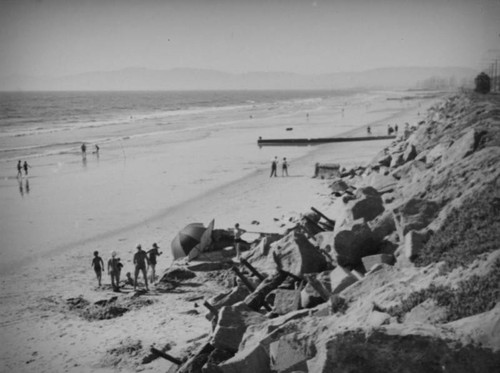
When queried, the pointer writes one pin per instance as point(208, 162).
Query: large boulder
point(372, 260)
point(296, 255)
point(414, 242)
point(410, 153)
point(414, 214)
point(309, 297)
point(237, 294)
point(352, 242)
point(383, 225)
point(289, 353)
point(341, 278)
point(463, 146)
point(367, 205)
point(232, 323)
point(286, 301)
point(339, 186)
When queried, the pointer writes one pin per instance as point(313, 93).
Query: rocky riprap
point(407, 279)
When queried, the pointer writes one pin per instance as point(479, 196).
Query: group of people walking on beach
point(142, 260)
point(22, 166)
point(274, 167)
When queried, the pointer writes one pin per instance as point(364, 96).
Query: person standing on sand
point(98, 266)
point(19, 169)
point(274, 167)
point(26, 166)
point(237, 239)
point(153, 253)
point(141, 263)
point(114, 271)
point(84, 150)
point(284, 167)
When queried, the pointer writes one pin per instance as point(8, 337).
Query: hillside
point(199, 79)
point(407, 281)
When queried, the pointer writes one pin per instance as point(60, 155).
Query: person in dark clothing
point(114, 271)
point(26, 166)
point(98, 265)
point(153, 254)
point(284, 167)
point(19, 169)
point(274, 167)
point(141, 263)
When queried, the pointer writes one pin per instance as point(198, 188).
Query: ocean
point(157, 150)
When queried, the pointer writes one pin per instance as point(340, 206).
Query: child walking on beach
point(98, 265)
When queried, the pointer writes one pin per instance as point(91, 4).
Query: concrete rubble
point(332, 297)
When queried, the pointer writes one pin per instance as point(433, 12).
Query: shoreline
point(29, 318)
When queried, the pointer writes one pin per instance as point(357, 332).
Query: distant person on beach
point(237, 239)
point(19, 169)
point(369, 130)
point(274, 167)
point(284, 167)
point(141, 263)
point(114, 271)
point(396, 128)
point(84, 150)
point(98, 265)
point(97, 149)
point(390, 130)
point(153, 254)
point(26, 166)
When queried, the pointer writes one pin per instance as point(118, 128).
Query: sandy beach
point(39, 333)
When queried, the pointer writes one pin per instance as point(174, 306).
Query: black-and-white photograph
point(249, 186)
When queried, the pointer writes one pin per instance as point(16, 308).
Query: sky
point(51, 38)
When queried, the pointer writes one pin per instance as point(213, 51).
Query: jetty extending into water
point(316, 141)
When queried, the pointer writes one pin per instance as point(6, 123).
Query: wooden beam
point(166, 356)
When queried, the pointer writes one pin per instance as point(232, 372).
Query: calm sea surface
point(34, 124)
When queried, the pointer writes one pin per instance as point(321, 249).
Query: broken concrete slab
point(341, 278)
point(296, 255)
point(289, 353)
point(232, 324)
point(370, 261)
point(414, 214)
point(352, 242)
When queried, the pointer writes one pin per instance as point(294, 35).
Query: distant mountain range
point(198, 79)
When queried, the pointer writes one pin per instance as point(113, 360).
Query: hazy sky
point(59, 37)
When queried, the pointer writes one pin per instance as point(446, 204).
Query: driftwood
point(166, 356)
point(318, 286)
point(211, 308)
point(257, 299)
point(252, 269)
point(243, 279)
point(311, 227)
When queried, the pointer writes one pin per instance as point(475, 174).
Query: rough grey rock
point(296, 255)
point(414, 214)
point(232, 324)
point(352, 242)
point(370, 261)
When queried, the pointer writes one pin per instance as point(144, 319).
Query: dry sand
point(39, 334)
